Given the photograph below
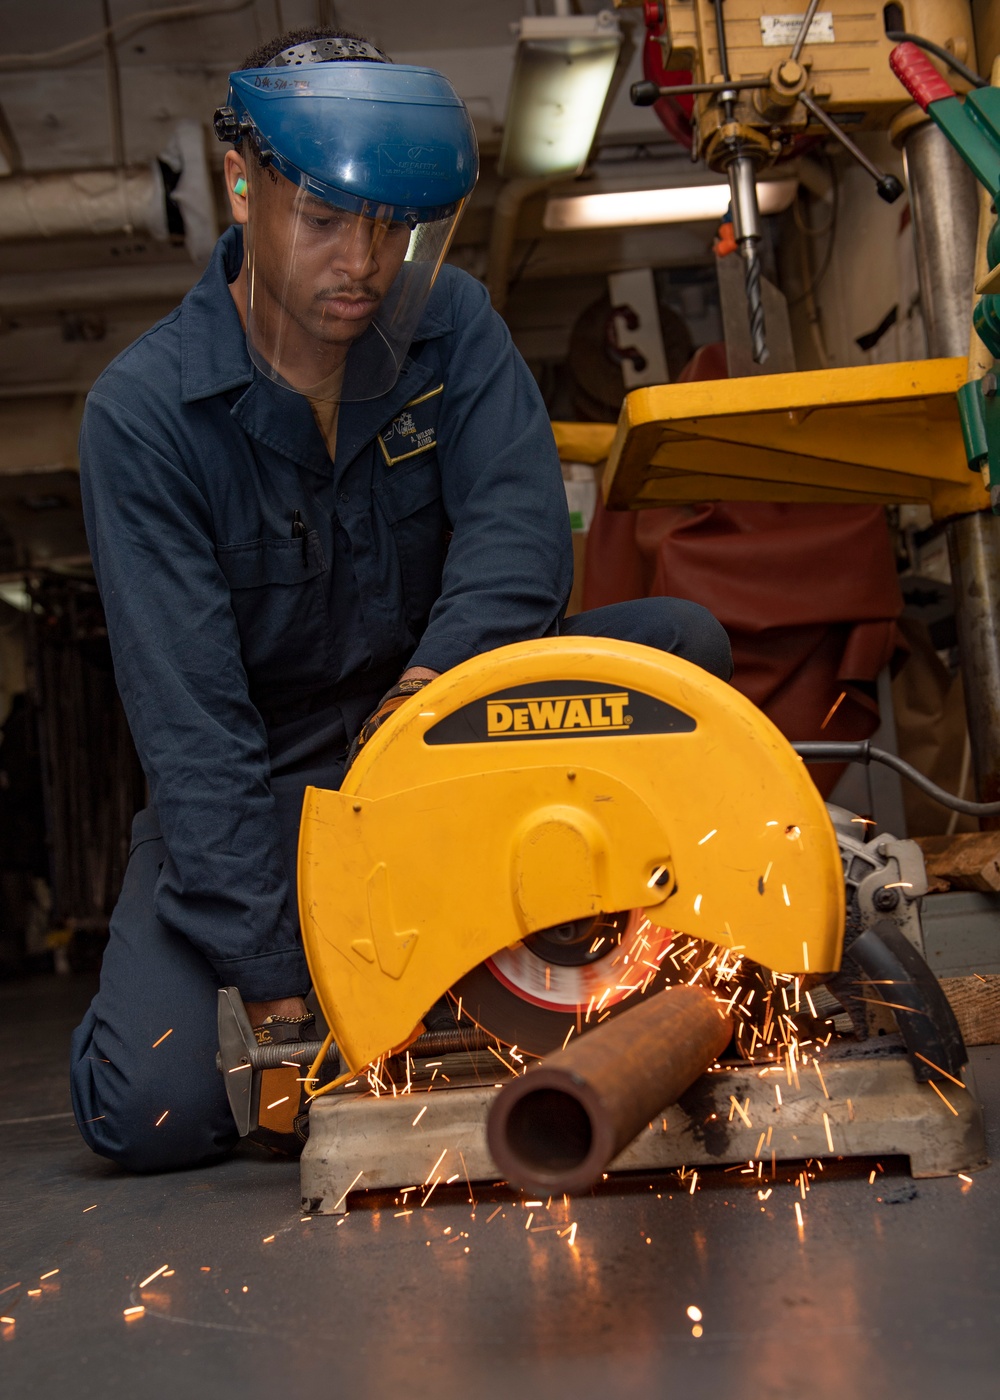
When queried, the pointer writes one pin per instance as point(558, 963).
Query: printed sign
point(780, 31)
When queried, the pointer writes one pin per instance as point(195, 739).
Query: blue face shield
point(357, 173)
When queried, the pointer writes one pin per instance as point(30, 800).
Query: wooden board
point(976, 1004)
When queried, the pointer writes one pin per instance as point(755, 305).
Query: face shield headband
point(351, 208)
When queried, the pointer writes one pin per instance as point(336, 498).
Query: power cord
point(899, 36)
point(821, 751)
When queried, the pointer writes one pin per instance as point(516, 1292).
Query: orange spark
point(950, 1107)
point(741, 1109)
point(430, 1193)
point(156, 1274)
point(834, 708)
point(162, 1038)
point(939, 1069)
point(433, 1169)
point(161, 1117)
point(133, 1312)
point(351, 1188)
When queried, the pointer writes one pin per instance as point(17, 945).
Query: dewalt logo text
point(558, 708)
point(558, 714)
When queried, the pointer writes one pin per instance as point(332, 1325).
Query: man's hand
point(408, 684)
point(282, 1125)
point(292, 1008)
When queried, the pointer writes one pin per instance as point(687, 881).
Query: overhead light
point(16, 595)
point(681, 205)
point(562, 74)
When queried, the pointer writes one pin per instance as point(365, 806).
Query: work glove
point(283, 1121)
point(385, 709)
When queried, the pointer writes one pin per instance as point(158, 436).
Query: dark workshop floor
point(891, 1290)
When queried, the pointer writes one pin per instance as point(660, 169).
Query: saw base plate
point(873, 1106)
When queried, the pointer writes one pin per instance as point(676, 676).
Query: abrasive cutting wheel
point(534, 995)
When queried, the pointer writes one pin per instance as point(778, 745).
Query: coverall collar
point(214, 361)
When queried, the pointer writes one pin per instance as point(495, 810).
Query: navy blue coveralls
point(260, 599)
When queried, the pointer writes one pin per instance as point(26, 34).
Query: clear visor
point(334, 296)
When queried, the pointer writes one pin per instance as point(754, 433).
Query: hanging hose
point(821, 751)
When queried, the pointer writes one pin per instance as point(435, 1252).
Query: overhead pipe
point(128, 199)
point(66, 204)
point(506, 212)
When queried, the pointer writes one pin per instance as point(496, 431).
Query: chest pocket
point(278, 593)
point(409, 496)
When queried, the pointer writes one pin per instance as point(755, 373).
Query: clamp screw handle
point(918, 75)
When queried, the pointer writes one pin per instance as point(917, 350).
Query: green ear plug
point(240, 187)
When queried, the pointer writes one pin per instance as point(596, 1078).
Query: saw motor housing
point(545, 783)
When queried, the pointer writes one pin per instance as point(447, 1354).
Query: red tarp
point(808, 594)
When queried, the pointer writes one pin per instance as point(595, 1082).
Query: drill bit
point(755, 304)
point(746, 220)
point(743, 192)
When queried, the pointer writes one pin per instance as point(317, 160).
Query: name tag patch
point(413, 431)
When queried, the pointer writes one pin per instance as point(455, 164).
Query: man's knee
point(132, 1137)
point(703, 638)
point(674, 625)
point(145, 1122)
point(687, 630)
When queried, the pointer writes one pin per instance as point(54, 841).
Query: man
point(323, 480)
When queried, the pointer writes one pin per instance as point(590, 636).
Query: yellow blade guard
point(547, 782)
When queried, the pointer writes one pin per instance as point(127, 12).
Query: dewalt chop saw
point(612, 866)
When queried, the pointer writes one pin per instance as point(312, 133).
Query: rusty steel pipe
point(558, 1126)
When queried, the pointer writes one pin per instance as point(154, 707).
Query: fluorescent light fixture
point(562, 73)
point(686, 204)
point(16, 595)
